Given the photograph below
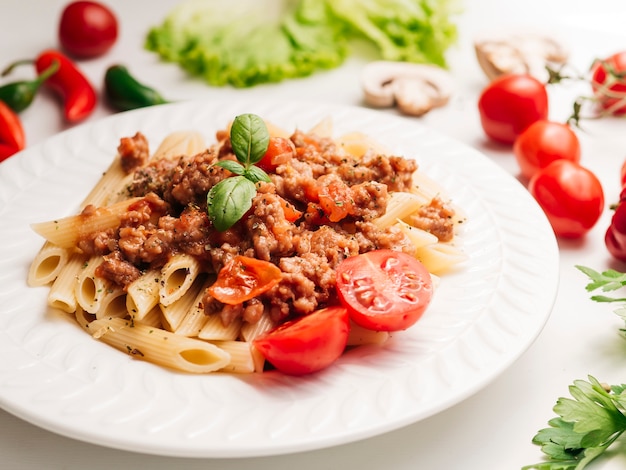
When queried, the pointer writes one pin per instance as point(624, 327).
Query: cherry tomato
point(87, 29)
point(307, 344)
point(511, 103)
point(570, 195)
point(279, 150)
point(244, 278)
point(542, 143)
point(384, 290)
point(608, 80)
point(622, 174)
point(615, 236)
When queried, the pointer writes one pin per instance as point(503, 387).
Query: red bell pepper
point(12, 137)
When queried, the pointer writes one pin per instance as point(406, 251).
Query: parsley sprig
point(596, 416)
point(607, 281)
point(231, 198)
point(585, 427)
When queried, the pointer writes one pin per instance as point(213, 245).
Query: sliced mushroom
point(519, 53)
point(414, 88)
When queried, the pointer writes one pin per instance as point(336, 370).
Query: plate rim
point(172, 116)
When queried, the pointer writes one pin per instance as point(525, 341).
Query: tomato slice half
point(244, 278)
point(307, 344)
point(384, 290)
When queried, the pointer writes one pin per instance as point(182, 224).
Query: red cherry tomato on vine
point(384, 290)
point(511, 103)
point(608, 80)
point(570, 195)
point(542, 143)
point(308, 344)
point(87, 29)
point(615, 237)
point(622, 174)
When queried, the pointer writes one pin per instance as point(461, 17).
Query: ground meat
point(134, 152)
point(155, 177)
point(193, 177)
point(436, 218)
point(316, 211)
point(118, 270)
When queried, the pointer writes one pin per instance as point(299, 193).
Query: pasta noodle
point(142, 295)
point(47, 265)
point(66, 232)
point(62, 293)
point(160, 346)
point(90, 288)
point(159, 314)
point(176, 277)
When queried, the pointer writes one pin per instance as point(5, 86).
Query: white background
point(491, 430)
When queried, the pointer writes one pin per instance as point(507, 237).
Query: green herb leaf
point(585, 427)
point(234, 167)
point(249, 138)
point(256, 174)
point(229, 200)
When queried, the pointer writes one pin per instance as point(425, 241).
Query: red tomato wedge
point(279, 150)
point(244, 278)
point(384, 290)
point(308, 344)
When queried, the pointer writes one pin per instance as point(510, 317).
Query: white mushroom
point(414, 88)
point(529, 53)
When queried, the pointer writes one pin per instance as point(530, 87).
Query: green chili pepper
point(124, 92)
point(19, 95)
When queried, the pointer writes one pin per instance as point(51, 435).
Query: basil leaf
point(229, 200)
point(249, 138)
point(256, 174)
point(233, 167)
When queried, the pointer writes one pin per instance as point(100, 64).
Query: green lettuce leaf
point(247, 42)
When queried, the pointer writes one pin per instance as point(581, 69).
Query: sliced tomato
point(384, 290)
point(308, 344)
point(244, 278)
point(279, 150)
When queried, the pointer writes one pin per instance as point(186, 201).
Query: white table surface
point(490, 430)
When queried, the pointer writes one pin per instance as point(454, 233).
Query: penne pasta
point(418, 237)
point(67, 231)
point(250, 331)
point(213, 329)
point(90, 289)
point(359, 336)
point(174, 313)
point(47, 264)
point(399, 206)
point(62, 293)
point(148, 299)
point(159, 346)
point(109, 186)
point(143, 294)
point(440, 257)
point(112, 304)
point(179, 143)
point(177, 276)
point(242, 360)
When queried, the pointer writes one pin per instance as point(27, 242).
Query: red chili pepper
point(12, 137)
point(70, 84)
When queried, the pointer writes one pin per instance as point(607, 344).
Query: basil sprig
point(231, 198)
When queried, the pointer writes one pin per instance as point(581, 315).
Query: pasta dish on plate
point(218, 258)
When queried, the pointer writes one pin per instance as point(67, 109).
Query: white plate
point(484, 316)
